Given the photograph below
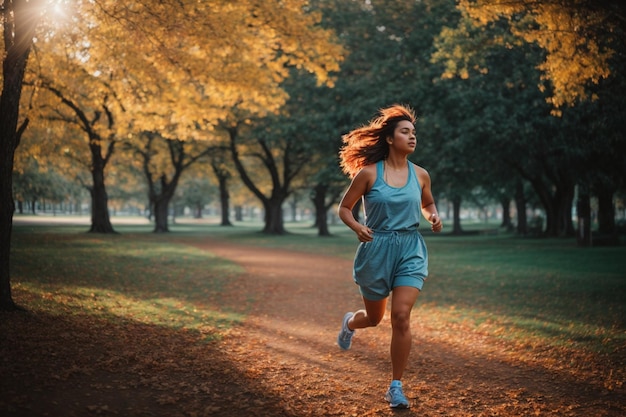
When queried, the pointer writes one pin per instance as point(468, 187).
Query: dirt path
point(289, 345)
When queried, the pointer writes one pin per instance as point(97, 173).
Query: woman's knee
point(374, 320)
point(401, 320)
point(363, 318)
point(369, 319)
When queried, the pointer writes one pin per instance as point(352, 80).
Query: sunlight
point(177, 313)
point(57, 11)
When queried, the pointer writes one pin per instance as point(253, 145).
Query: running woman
point(392, 255)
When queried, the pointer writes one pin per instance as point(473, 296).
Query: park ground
point(282, 360)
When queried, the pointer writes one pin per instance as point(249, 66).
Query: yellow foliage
point(562, 29)
point(179, 66)
point(455, 48)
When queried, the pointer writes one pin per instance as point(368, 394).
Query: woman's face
point(404, 139)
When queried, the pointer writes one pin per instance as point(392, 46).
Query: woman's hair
point(368, 144)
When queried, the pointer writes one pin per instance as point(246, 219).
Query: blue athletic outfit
point(397, 256)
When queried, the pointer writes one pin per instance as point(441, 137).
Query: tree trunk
point(20, 20)
point(564, 202)
point(557, 206)
point(224, 200)
point(273, 205)
point(274, 216)
point(456, 216)
point(161, 209)
point(505, 202)
point(520, 206)
point(238, 213)
point(7, 207)
point(583, 211)
point(293, 209)
point(321, 209)
point(322, 223)
point(606, 211)
point(223, 175)
point(100, 221)
point(161, 200)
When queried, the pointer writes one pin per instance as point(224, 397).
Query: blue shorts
point(392, 259)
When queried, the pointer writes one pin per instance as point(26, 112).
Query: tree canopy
point(120, 68)
point(579, 37)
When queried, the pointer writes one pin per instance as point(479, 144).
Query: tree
point(473, 113)
point(144, 75)
point(148, 80)
point(325, 193)
point(35, 182)
point(267, 145)
point(195, 191)
point(307, 121)
point(97, 122)
point(579, 37)
point(163, 173)
point(20, 19)
point(509, 120)
point(230, 52)
point(45, 148)
point(223, 174)
point(389, 45)
point(31, 184)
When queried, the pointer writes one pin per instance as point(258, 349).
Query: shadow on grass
point(78, 365)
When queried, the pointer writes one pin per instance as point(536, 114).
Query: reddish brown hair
point(368, 144)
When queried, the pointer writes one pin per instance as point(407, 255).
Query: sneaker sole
point(341, 331)
point(400, 406)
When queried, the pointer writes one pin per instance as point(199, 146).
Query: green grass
point(539, 291)
point(140, 277)
point(529, 291)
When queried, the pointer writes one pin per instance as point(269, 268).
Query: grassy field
point(531, 291)
point(139, 324)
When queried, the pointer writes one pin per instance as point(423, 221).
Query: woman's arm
point(359, 186)
point(429, 209)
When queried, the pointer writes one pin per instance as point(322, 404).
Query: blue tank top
point(390, 208)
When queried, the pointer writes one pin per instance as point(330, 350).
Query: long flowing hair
point(367, 144)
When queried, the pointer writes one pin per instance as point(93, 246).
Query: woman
point(392, 255)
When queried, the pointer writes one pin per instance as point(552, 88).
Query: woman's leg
point(402, 301)
point(370, 317)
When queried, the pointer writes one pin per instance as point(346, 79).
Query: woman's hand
point(436, 224)
point(365, 234)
